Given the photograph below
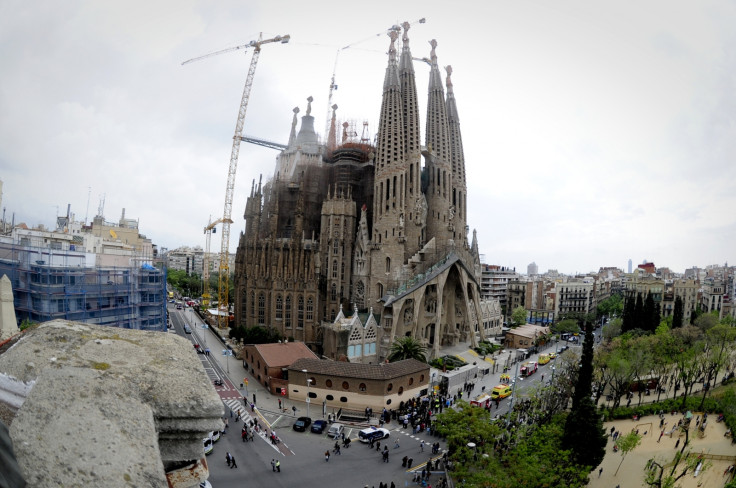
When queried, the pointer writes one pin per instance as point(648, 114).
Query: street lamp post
point(308, 381)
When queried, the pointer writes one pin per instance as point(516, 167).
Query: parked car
point(187, 329)
point(336, 430)
point(372, 433)
point(215, 435)
point(302, 424)
point(319, 426)
point(208, 445)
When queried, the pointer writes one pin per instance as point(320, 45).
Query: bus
point(171, 295)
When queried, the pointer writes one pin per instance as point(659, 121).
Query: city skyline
point(591, 135)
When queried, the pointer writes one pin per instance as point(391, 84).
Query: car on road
point(319, 426)
point(552, 355)
point(215, 435)
point(372, 434)
point(208, 446)
point(336, 430)
point(302, 424)
point(205, 484)
point(187, 329)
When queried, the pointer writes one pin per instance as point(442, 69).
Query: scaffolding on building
point(62, 284)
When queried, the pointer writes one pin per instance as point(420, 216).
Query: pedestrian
point(327, 455)
point(278, 466)
point(227, 458)
point(409, 462)
point(273, 465)
point(378, 446)
point(396, 444)
point(232, 463)
point(421, 446)
point(279, 403)
point(600, 470)
point(403, 461)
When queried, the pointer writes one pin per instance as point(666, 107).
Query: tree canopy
point(407, 348)
point(518, 316)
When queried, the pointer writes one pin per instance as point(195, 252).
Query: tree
point(650, 320)
point(567, 325)
point(678, 314)
point(655, 471)
point(626, 444)
point(584, 434)
point(629, 315)
point(518, 316)
point(707, 321)
point(407, 348)
point(256, 335)
point(639, 312)
point(612, 329)
point(613, 305)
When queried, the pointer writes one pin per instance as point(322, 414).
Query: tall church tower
point(389, 218)
point(415, 204)
point(440, 215)
point(457, 156)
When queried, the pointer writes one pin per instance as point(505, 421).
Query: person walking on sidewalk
point(278, 466)
point(232, 462)
point(327, 456)
point(273, 465)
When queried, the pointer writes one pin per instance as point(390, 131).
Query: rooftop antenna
point(101, 207)
point(86, 214)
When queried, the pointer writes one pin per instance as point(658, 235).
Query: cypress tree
point(584, 434)
point(649, 319)
point(677, 314)
point(639, 317)
point(628, 319)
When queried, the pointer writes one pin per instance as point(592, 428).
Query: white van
point(336, 430)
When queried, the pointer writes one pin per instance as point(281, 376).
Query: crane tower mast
point(224, 269)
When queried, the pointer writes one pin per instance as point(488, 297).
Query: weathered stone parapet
point(110, 407)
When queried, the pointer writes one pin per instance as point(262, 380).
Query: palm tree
point(407, 348)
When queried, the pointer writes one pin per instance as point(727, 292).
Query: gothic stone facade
point(369, 225)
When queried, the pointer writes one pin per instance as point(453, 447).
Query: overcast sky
point(594, 132)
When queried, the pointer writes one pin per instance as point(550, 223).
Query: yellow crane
point(208, 231)
point(224, 268)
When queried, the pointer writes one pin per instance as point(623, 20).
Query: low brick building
point(356, 386)
point(267, 362)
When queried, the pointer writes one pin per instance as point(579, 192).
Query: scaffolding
point(63, 284)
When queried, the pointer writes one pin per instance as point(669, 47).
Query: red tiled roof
point(282, 354)
point(383, 371)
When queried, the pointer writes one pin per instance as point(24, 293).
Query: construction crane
point(224, 268)
point(333, 85)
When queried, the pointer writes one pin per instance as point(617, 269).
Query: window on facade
point(261, 309)
point(411, 381)
point(310, 309)
point(330, 397)
point(342, 271)
point(287, 313)
point(253, 304)
point(328, 383)
point(388, 265)
point(345, 385)
point(362, 387)
point(379, 289)
point(344, 399)
point(335, 247)
point(334, 268)
point(300, 313)
point(279, 307)
point(390, 387)
point(333, 292)
point(401, 390)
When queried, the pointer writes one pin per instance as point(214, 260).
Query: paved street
point(302, 453)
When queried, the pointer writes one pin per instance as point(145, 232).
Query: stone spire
point(441, 223)
point(292, 136)
point(332, 137)
point(437, 131)
point(410, 107)
point(457, 158)
point(389, 150)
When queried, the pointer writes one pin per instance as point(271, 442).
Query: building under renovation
point(100, 273)
point(368, 223)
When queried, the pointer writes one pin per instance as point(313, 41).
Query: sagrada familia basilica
point(354, 243)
